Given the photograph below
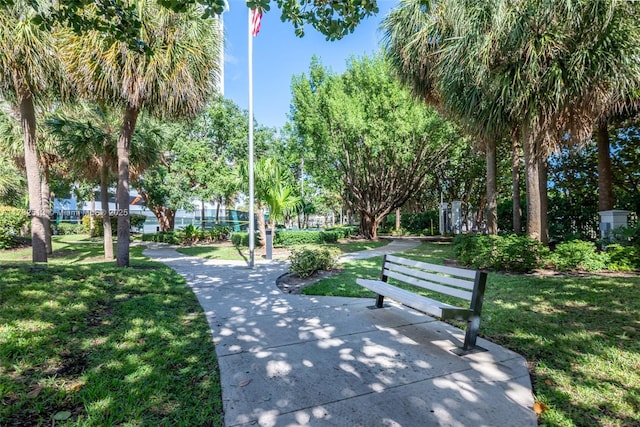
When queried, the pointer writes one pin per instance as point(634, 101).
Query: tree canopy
point(365, 131)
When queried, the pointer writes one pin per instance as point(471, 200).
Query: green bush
point(578, 255)
point(11, 222)
point(285, 238)
point(219, 233)
point(343, 231)
point(307, 261)
point(241, 238)
point(623, 258)
point(65, 228)
point(170, 237)
point(502, 253)
point(137, 220)
point(98, 230)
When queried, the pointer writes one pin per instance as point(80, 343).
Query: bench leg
point(379, 301)
point(471, 334)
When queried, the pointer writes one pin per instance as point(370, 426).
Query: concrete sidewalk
point(294, 360)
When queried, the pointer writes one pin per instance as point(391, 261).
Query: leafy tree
point(380, 141)
point(175, 81)
point(120, 18)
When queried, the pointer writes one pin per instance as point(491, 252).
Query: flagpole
point(252, 231)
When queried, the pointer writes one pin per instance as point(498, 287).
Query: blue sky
point(278, 54)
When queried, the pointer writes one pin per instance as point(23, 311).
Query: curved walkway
point(295, 360)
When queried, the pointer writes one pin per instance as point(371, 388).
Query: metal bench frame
point(467, 285)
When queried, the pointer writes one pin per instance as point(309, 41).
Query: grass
point(229, 252)
point(579, 334)
point(98, 345)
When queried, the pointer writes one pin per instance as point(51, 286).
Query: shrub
point(343, 231)
point(578, 255)
point(66, 228)
point(170, 237)
point(241, 238)
point(11, 222)
point(294, 237)
point(504, 253)
point(219, 233)
point(414, 223)
point(137, 220)
point(623, 258)
point(307, 261)
point(97, 223)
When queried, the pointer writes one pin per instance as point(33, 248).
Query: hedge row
point(522, 254)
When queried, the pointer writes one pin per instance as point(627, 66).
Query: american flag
point(256, 16)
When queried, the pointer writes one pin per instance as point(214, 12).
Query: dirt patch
point(290, 283)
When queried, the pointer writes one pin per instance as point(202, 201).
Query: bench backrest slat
point(428, 275)
point(459, 293)
point(460, 272)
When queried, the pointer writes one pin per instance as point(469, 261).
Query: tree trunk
point(605, 176)
point(262, 227)
point(542, 177)
point(92, 216)
point(45, 193)
point(532, 170)
point(515, 187)
point(218, 203)
point(28, 123)
point(397, 219)
point(124, 222)
point(106, 216)
point(203, 221)
point(368, 226)
point(492, 188)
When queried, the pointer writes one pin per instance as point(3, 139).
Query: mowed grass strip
point(580, 335)
point(104, 346)
point(229, 252)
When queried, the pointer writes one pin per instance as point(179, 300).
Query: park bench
point(464, 284)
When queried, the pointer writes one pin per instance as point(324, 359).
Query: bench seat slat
point(431, 277)
point(418, 302)
point(459, 293)
point(453, 271)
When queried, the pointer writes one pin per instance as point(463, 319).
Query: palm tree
point(419, 48)
point(28, 63)
point(86, 135)
point(174, 80)
point(552, 68)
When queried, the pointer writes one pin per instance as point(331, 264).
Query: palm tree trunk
point(106, 216)
point(515, 186)
point(45, 193)
point(532, 170)
point(605, 176)
point(262, 227)
point(28, 123)
point(124, 222)
point(397, 219)
point(544, 200)
point(492, 188)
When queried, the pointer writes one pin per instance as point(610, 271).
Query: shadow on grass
point(110, 346)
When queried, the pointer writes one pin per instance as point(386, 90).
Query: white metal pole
point(251, 177)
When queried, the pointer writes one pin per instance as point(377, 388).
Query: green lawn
point(580, 335)
point(101, 345)
point(234, 253)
